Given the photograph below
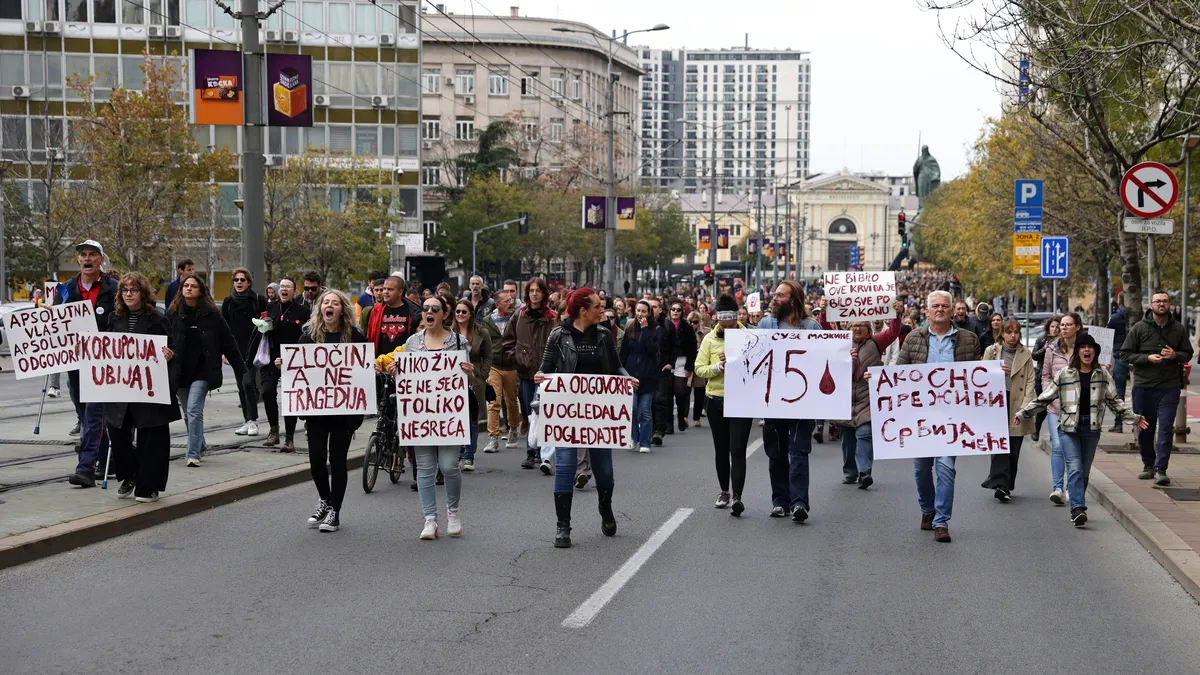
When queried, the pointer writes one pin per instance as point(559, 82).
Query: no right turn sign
point(1149, 189)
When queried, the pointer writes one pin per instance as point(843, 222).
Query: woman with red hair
point(581, 345)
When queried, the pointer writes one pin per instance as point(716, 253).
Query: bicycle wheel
point(394, 476)
point(370, 464)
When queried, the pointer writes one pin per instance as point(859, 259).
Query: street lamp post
point(712, 192)
point(610, 200)
point(4, 165)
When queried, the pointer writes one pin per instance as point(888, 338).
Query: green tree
point(486, 201)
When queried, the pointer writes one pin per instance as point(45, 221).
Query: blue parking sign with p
point(1028, 193)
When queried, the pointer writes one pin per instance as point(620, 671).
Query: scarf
point(243, 301)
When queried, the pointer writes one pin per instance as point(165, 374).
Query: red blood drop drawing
point(827, 383)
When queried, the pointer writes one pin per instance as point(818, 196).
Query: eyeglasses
point(130, 291)
point(694, 323)
point(1159, 302)
point(676, 309)
point(432, 309)
point(461, 312)
point(240, 280)
point(311, 289)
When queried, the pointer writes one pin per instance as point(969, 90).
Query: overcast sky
point(880, 73)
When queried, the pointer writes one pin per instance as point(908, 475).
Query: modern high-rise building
point(746, 109)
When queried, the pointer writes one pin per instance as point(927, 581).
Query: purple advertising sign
point(592, 213)
point(722, 237)
point(752, 246)
point(217, 87)
point(626, 213)
point(289, 82)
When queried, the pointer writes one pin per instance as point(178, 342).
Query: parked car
point(5, 310)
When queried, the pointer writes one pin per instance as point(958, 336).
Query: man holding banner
point(937, 342)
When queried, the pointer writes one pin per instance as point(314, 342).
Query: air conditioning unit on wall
point(174, 32)
point(155, 32)
point(20, 91)
point(387, 40)
point(381, 101)
point(291, 37)
point(273, 35)
point(320, 101)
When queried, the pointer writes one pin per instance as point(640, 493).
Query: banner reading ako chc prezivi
point(123, 367)
point(586, 411)
point(327, 379)
point(859, 296)
point(432, 398)
point(939, 410)
point(44, 340)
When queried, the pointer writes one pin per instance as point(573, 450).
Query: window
point(312, 16)
point(12, 69)
point(462, 176)
point(365, 18)
point(131, 12)
point(408, 19)
point(528, 85)
point(431, 80)
point(498, 84)
point(366, 141)
point(464, 82)
point(339, 140)
point(106, 10)
point(430, 227)
point(576, 89)
point(464, 130)
point(531, 131)
point(14, 137)
point(76, 11)
point(556, 87)
point(430, 176)
point(556, 129)
point(431, 129)
point(339, 17)
point(366, 79)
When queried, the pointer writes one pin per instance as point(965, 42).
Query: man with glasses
point(1156, 350)
point(312, 288)
point(240, 308)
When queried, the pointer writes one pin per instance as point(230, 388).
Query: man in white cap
point(93, 286)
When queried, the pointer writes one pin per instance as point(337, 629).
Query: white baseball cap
point(91, 243)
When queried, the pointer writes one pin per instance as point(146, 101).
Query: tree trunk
point(1100, 314)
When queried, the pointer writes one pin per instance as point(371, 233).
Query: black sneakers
point(319, 515)
point(528, 463)
point(1001, 494)
point(126, 489)
point(85, 479)
point(656, 438)
point(849, 480)
point(1147, 473)
point(330, 522)
point(799, 514)
point(1079, 516)
point(736, 508)
point(865, 481)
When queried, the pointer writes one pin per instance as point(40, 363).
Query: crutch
point(104, 483)
point(37, 426)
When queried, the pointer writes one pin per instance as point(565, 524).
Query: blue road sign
point(1027, 219)
point(1028, 193)
point(1056, 257)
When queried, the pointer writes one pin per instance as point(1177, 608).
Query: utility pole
point(775, 237)
point(4, 165)
point(787, 191)
point(758, 225)
point(712, 215)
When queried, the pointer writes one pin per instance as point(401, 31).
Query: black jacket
point(216, 340)
point(1119, 323)
point(238, 315)
point(104, 300)
point(145, 415)
point(560, 357)
point(682, 342)
point(287, 328)
point(645, 355)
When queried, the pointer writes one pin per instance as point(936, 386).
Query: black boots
point(562, 507)
point(608, 522)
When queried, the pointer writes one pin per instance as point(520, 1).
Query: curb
point(47, 541)
point(1172, 552)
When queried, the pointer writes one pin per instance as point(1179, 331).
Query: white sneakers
point(52, 392)
point(643, 449)
point(146, 500)
point(493, 445)
point(431, 528)
point(512, 439)
point(248, 429)
point(193, 461)
point(1059, 497)
point(453, 523)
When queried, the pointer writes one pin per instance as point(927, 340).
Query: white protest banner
point(123, 368)
point(586, 411)
point(859, 296)
point(432, 398)
point(939, 410)
point(1105, 337)
point(327, 379)
point(753, 303)
point(788, 374)
point(44, 340)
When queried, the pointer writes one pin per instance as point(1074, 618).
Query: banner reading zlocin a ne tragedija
point(327, 379)
point(432, 398)
point(939, 410)
point(123, 368)
point(586, 411)
point(859, 296)
point(44, 340)
point(788, 374)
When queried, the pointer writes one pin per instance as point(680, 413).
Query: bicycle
point(383, 445)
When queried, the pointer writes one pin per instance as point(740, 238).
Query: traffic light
point(708, 273)
point(523, 225)
point(902, 227)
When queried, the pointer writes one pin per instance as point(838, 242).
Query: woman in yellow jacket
point(730, 434)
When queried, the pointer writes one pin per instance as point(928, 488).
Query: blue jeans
point(1058, 464)
point(1158, 407)
point(849, 448)
point(858, 451)
point(526, 393)
point(940, 500)
point(430, 458)
point(788, 444)
point(566, 459)
point(643, 418)
point(1079, 449)
point(191, 398)
point(468, 451)
point(93, 440)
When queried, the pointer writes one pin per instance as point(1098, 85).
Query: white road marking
point(753, 448)
point(587, 611)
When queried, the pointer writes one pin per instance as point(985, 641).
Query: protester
point(392, 318)
point(312, 288)
point(700, 327)
point(1058, 356)
point(1156, 350)
point(682, 355)
point(1083, 390)
point(202, 339)
point(503, 376)
point(369, 297)
point(93, 286)
point(730, 434)
point(272, 294)
point(1049, 333)
point(284, 326)
point(140, 432)
point(788, 442)
point(965, 321)
point(1018, 379)
point(857, 444)
point(433, 337)
point(329, 436)
point(514, 291)
point(1118, 323)
point(481, 359)
point(665, 388)
point(183, 268)
point(479, 297)
point(644, 357)
point(524, 344)
point(582, 346)
point(239, 310)
point(941, 341)
point(992, 335)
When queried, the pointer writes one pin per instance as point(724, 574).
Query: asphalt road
point(248, 588)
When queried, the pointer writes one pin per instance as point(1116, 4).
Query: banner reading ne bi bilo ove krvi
point(432, 398)
point(217, 81)
point(860, 296)
point(44, 340)
point(123, 368)
point(939, 410)
point(586, 411)
point(289, 78)
point(327, 379)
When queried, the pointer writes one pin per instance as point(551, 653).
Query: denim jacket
point(1065, 389)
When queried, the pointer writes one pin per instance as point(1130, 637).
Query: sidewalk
point(1164, 520)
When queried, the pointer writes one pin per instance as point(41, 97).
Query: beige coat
point(1020, 385)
